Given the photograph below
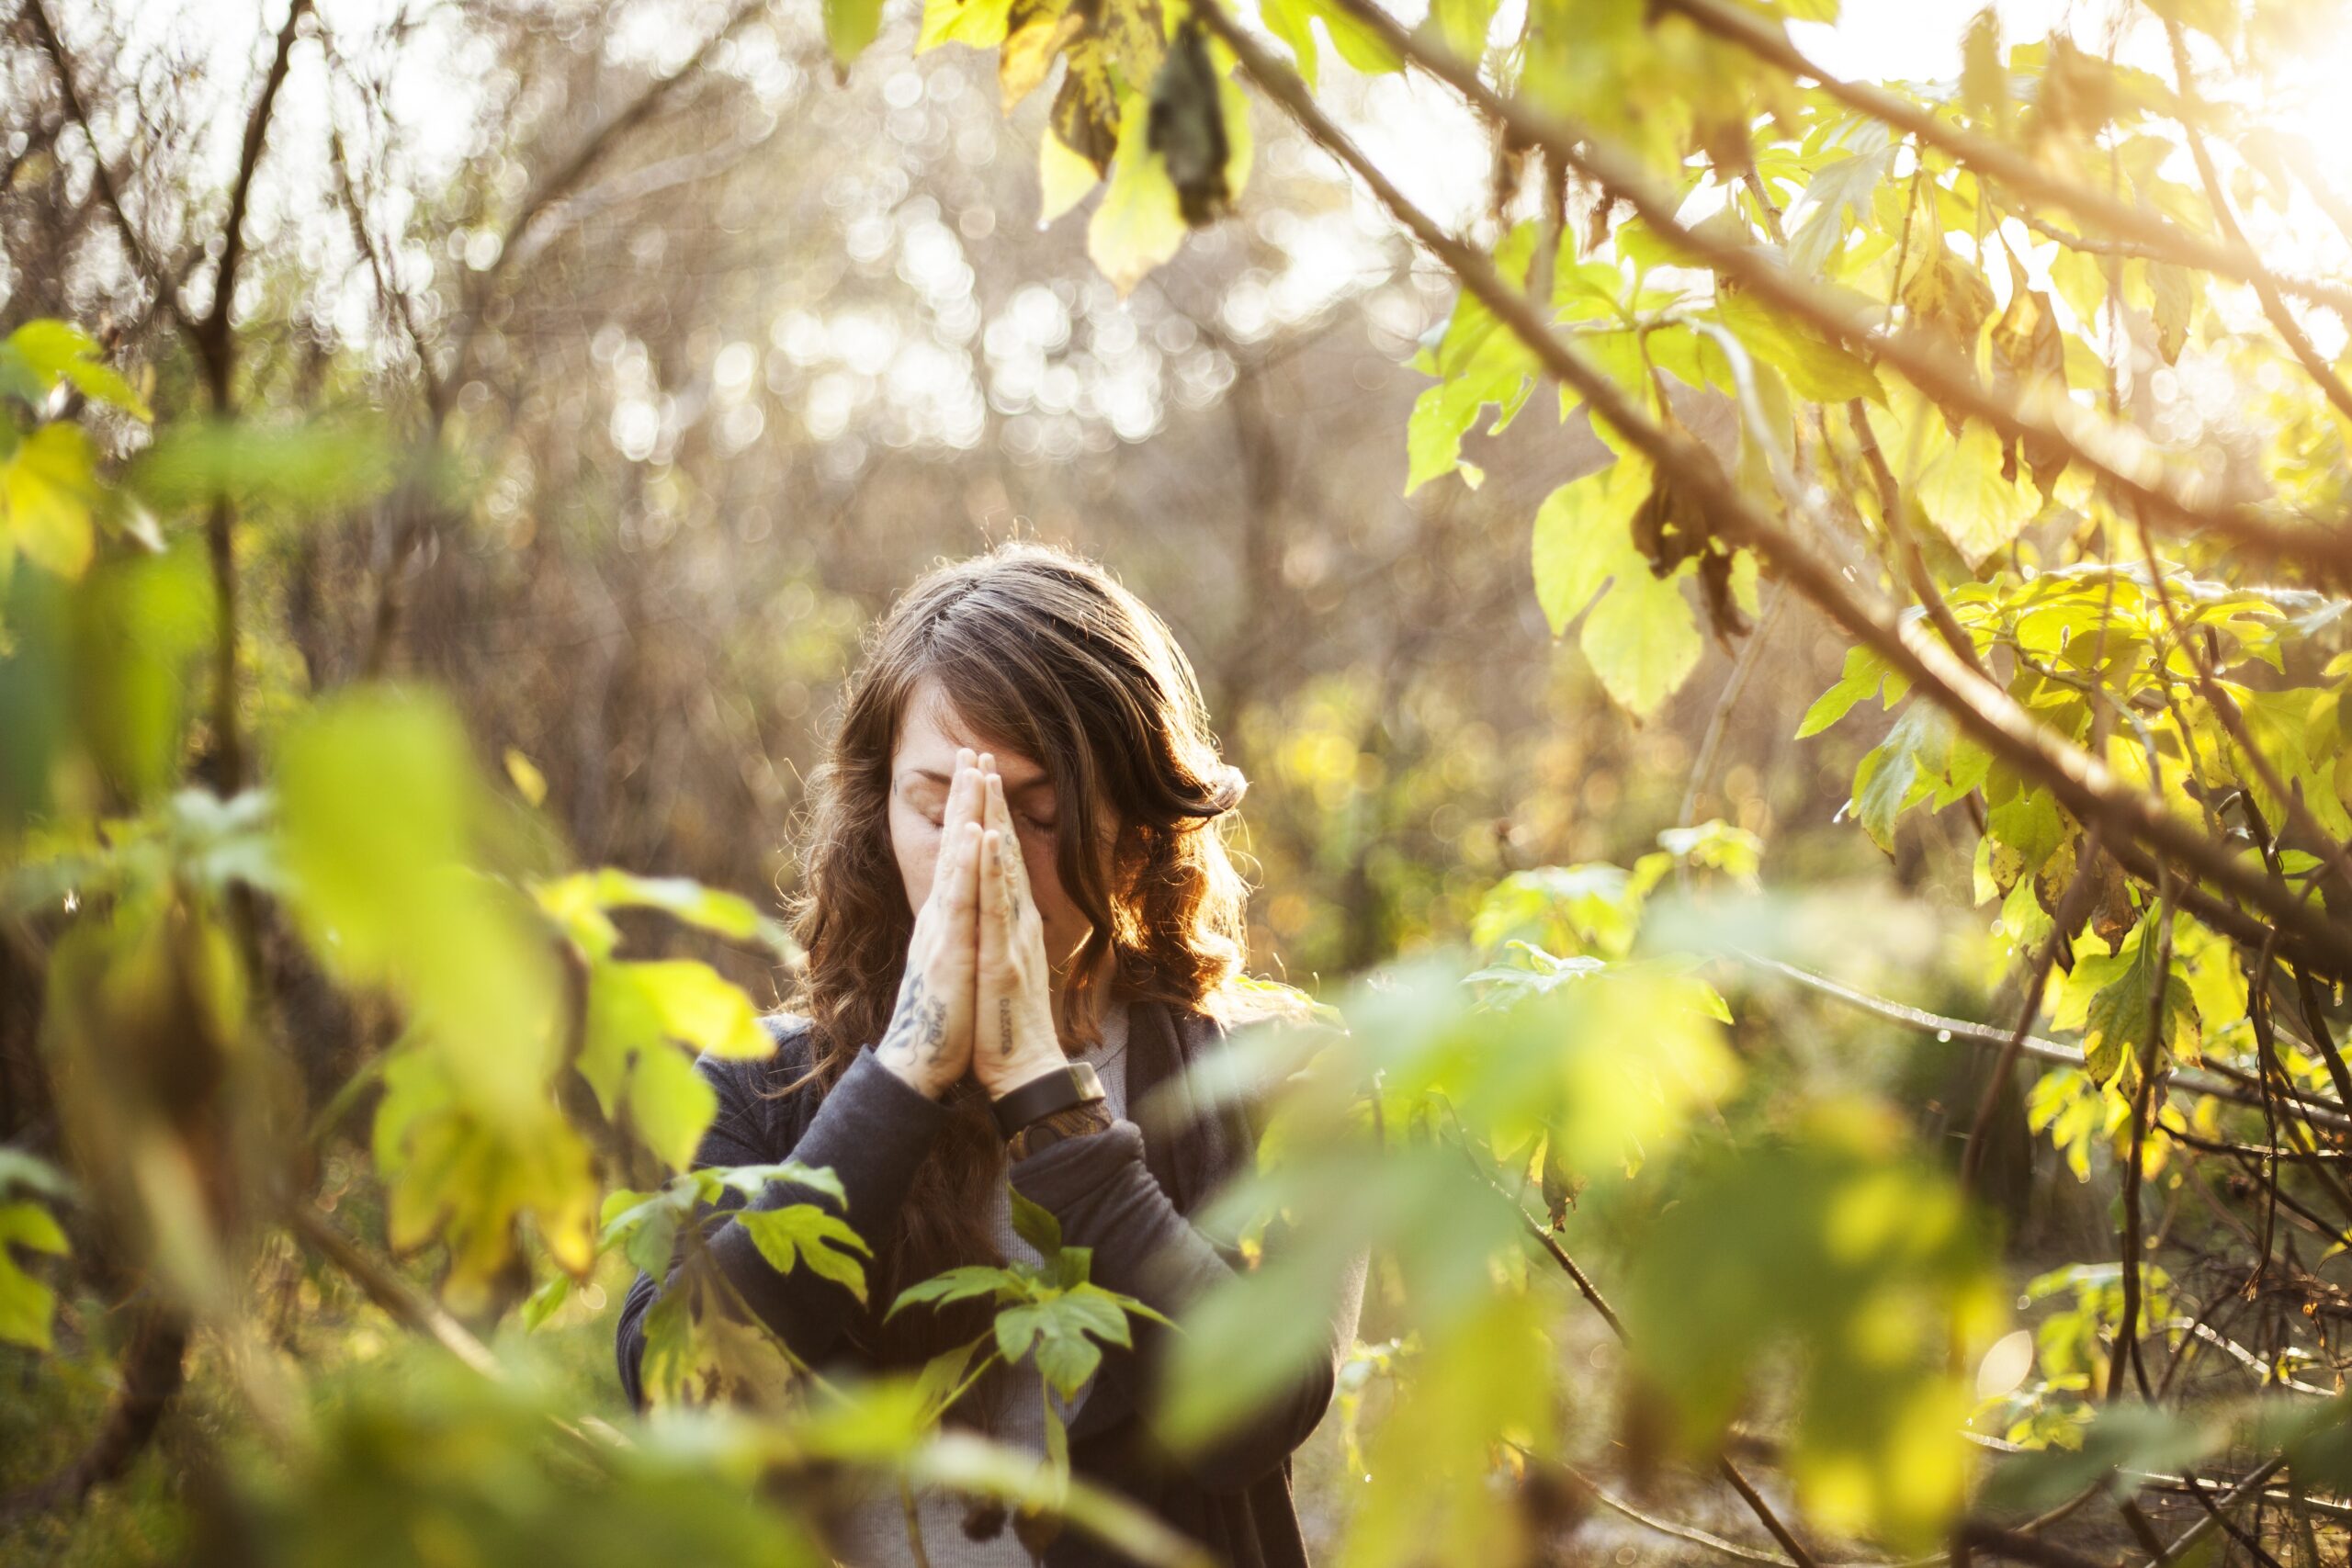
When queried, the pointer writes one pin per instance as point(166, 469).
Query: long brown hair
point(1043, 652)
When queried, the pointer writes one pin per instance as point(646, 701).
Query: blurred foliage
point(579, 424)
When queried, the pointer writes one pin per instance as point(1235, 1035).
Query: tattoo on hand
point(920, 1023)
point(1004, 1025)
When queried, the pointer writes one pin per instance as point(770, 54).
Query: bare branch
point(166, 296)
point(558, 185)
point(212, 332)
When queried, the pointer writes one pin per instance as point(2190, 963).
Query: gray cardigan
point(1118, 1192)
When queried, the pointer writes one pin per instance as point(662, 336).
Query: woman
point(1012, 864)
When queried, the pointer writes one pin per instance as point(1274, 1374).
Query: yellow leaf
point(1064, 177)
point(1963, 493)
point(979, 23)
point(529, 783)
point(1032, 39)
point(1139, 223)
point(46, 492)
point(1241, 149)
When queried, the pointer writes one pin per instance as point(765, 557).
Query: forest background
point(589, 376)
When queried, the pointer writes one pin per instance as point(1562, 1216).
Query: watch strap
point(1072, 1083)
point(1077, 1122)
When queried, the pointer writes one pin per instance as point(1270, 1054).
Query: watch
point(1072, 1083)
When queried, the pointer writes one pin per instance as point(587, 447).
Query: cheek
point(1054, 906)
point(915, 844)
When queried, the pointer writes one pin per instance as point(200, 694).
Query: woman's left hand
point(1014, 1036)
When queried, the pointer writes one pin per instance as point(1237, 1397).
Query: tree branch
point(2127, 464)
point(2159, 236)
point(553, 190)
point(2081, 782)
point(166, 297)
point(2222, 1083)
point(2218, 199)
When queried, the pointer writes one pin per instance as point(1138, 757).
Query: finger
point(963, 807)
point(995, 934)
point(963, 892)
point(1016, 870)
point(962, 792)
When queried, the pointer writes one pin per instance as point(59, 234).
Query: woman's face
point(922, 765)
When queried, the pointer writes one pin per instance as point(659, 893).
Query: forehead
point(931, 731)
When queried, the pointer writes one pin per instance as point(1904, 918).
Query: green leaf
point(1641, 636)
point(849, 26)
point(1963, 493)
point(1837, 1251)
point(2128, 1016)
point(1140, 222)
point(1035, 1224)
point(670, 1105)
point(1577, 533)
point(1865, 674)
point(1841, 192)
point(1463, 24)
point(696, 1006)
point(1356, 43)
point(309, 468)
point(647, 1242)
point(750, 1179)
point(1066, 1358)
point(1642, 641)
point(961, 1283)
point(1063, 177)
point(1292, 21)
point(383, 809)
point(542, 1303)
point(1091, 1309)
point(49, 491)
point(27, 1305)
point(575, 900)
point(1017, 1328)
point(1817, 369)
point(18, 1168)
point(56, 350)
point(1917, 753)
point(466, 1167)
point(803, 1233)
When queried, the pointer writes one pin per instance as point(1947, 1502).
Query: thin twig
point(2223, 1085)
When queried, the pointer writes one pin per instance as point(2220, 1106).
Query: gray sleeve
point(873, 1131)
point(1105, 1198)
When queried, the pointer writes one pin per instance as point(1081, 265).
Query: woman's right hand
point(929, 1042)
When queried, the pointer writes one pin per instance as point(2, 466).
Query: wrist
point(1013, 1074)
point(900, 1063)
point(1074, 1083)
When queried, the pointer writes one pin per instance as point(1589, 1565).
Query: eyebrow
point(933, 775)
